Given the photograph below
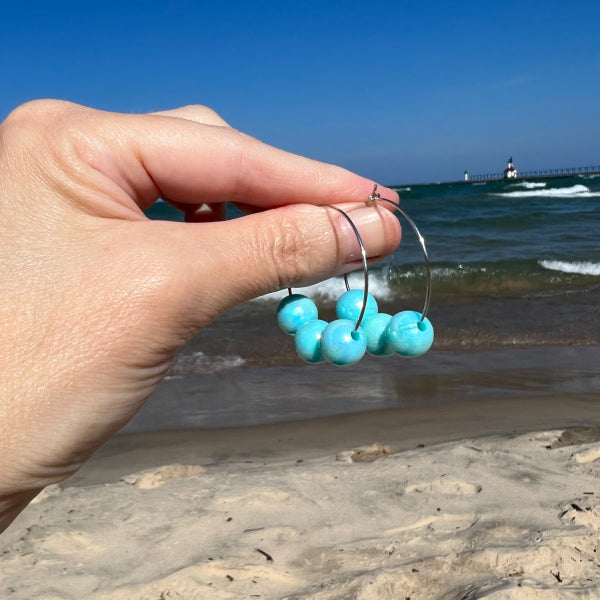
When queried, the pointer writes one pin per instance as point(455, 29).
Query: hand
point(96, 298)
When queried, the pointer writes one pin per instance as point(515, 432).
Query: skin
point(96, 298)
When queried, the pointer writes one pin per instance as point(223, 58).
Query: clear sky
point(402, 92)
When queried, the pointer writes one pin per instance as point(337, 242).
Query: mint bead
point(408, 336)
point(375, 328)
point(350, 304)
point(295, 310)
point(341, 344)
point(308, 341)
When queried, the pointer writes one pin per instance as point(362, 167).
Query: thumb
point(223, 264)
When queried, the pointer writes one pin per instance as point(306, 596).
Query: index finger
point(190, 162)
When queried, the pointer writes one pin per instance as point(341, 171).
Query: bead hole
point(355, 335)
point(421, 325)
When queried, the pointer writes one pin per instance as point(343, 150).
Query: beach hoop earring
point(360, 327)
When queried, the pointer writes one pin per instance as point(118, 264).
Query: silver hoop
point(363, 254)
point(376, 197)
point(371, 200)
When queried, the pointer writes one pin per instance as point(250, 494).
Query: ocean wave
point(529, 185)
point(186, 365)
point(516, 278)
point(396, 283)
point(332, 289)
point(575, 191)
point(580, 268)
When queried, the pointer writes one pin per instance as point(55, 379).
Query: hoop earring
point(360, 327)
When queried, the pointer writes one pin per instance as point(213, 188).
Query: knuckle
point(204, 110)
point(286, 246)
point(245, 158)
point(203, 114)
point(35, 113)
point(37, 123)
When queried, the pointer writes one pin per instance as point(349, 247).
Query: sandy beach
point(397, 504)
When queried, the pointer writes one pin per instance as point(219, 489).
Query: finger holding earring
point(360, 328)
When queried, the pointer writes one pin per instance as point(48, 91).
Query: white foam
point(458, 271)
point(530, 185)
point(581, 268)
point(198, 362)
point(333, 288)
point(575, 191)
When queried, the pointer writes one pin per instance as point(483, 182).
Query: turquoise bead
point(341, 344)
point(350, 304)
point(408, 336)
point(295, 310)
point(375, 327)
point(308, 341)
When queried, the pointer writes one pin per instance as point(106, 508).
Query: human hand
point(97, 298)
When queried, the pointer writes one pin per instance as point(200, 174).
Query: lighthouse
point(510, 172)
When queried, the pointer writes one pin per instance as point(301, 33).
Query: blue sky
point(402, 92)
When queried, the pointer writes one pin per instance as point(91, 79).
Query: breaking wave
point(530, 185)
point(333, 288)
point(186, 365)
point(575, 191)
point(508, 278)
point(580, 268)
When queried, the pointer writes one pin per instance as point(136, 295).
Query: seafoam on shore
point(503, 517)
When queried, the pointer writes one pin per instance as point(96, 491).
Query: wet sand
point(265, 394)
point(404, 429)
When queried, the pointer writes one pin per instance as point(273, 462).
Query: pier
point(539, 174)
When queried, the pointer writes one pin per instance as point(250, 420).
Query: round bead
point(375, 328)
point(308, 341)
point(295, 310)
point(341, 344)
point(408, 336)
point(350, 304)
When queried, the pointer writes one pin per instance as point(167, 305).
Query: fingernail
point(370, 222)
